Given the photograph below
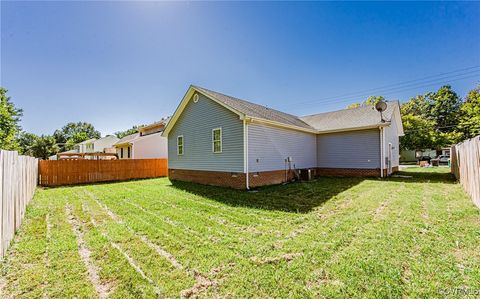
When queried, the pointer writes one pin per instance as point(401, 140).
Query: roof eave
point(278, 124)
point(385, 124)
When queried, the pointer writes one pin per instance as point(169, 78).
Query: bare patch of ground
point(101, 289)
point(202, 281)
point(45, 257)
point(130, 260)
point(288, 257)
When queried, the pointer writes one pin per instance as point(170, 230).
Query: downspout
point(245, 153)
point(381, 152)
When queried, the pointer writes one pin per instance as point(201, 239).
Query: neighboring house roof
point(130, 139)
point(127, 139)
point(361, 117)
point(255, 110)
point(343, 120)
point(162, 122)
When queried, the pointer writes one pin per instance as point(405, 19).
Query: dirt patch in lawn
point(101, 289)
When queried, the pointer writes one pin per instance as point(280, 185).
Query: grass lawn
point(333, 237)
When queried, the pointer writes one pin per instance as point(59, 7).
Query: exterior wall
point(125, 151)
point(392, 137)
point(349, 150)
point(268, 147)
point(106, 142)
point(150, 147)
point(196, 124)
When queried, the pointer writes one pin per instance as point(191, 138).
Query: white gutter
point(245, 153)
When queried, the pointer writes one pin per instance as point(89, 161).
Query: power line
point(474, 71)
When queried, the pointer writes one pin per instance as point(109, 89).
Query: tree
point(443, 108)
point(44, 147)
point(371, 100)
point(74, 129)
point(134, 129)
point(25, 141)
point(76, 138)
point(9, 119)
point(419, 133)
point(469, 117)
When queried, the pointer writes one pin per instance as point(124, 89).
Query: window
point(180, 145)
point(217, 140)
point(121, 153)
point(128, 152)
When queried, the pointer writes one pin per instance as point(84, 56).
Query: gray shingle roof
point(127, 138)
point(349, 118)
point(255, 110)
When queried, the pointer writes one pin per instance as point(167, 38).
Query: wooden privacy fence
point(465, 159)
point(18, 179)
point(71, 172)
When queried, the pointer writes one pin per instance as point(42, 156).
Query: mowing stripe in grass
point(130, 260)
point(85, 254)
point(202, 282)
point(46, 258)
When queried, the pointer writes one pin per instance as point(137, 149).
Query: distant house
point(103, 144)
point(148, 143)
point(221, 140)
point(82, 146)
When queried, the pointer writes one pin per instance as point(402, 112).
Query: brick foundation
point(264, 178)
point(216, 178)
point(256, 179)
point(361, 172)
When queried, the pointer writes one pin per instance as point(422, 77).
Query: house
point(148, 143)
point(221, 140)
point(101, 145)
point(82, 147)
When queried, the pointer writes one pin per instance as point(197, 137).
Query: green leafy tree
point(9, 122)
point(469, 119)
point(419, 132)
point(444, 106)
point(371, 100)
point(44, 146)
point(25, 141)
point(74, 130)
point(134, 129)
point(416, 106)
point(76, 138)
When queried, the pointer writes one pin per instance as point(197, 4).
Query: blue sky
point(117, 64)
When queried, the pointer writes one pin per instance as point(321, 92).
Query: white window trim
point(183, 145)
point(213, 141)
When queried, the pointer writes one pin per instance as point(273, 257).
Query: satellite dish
point(381, 106)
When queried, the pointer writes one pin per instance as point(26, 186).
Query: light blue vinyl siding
point(196, 124)
point(354, 149)
point(270, 146)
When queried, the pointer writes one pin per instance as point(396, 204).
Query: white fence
point(18, 179)
point(466, 166)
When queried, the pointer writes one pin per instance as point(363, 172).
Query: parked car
point(442, 159)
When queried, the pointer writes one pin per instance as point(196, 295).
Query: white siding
point(391, 136)
point(150, 146)
point(354, 149)
point(270, 146)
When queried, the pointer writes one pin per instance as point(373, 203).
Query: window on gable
point(180, 145)
point(217, 140)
